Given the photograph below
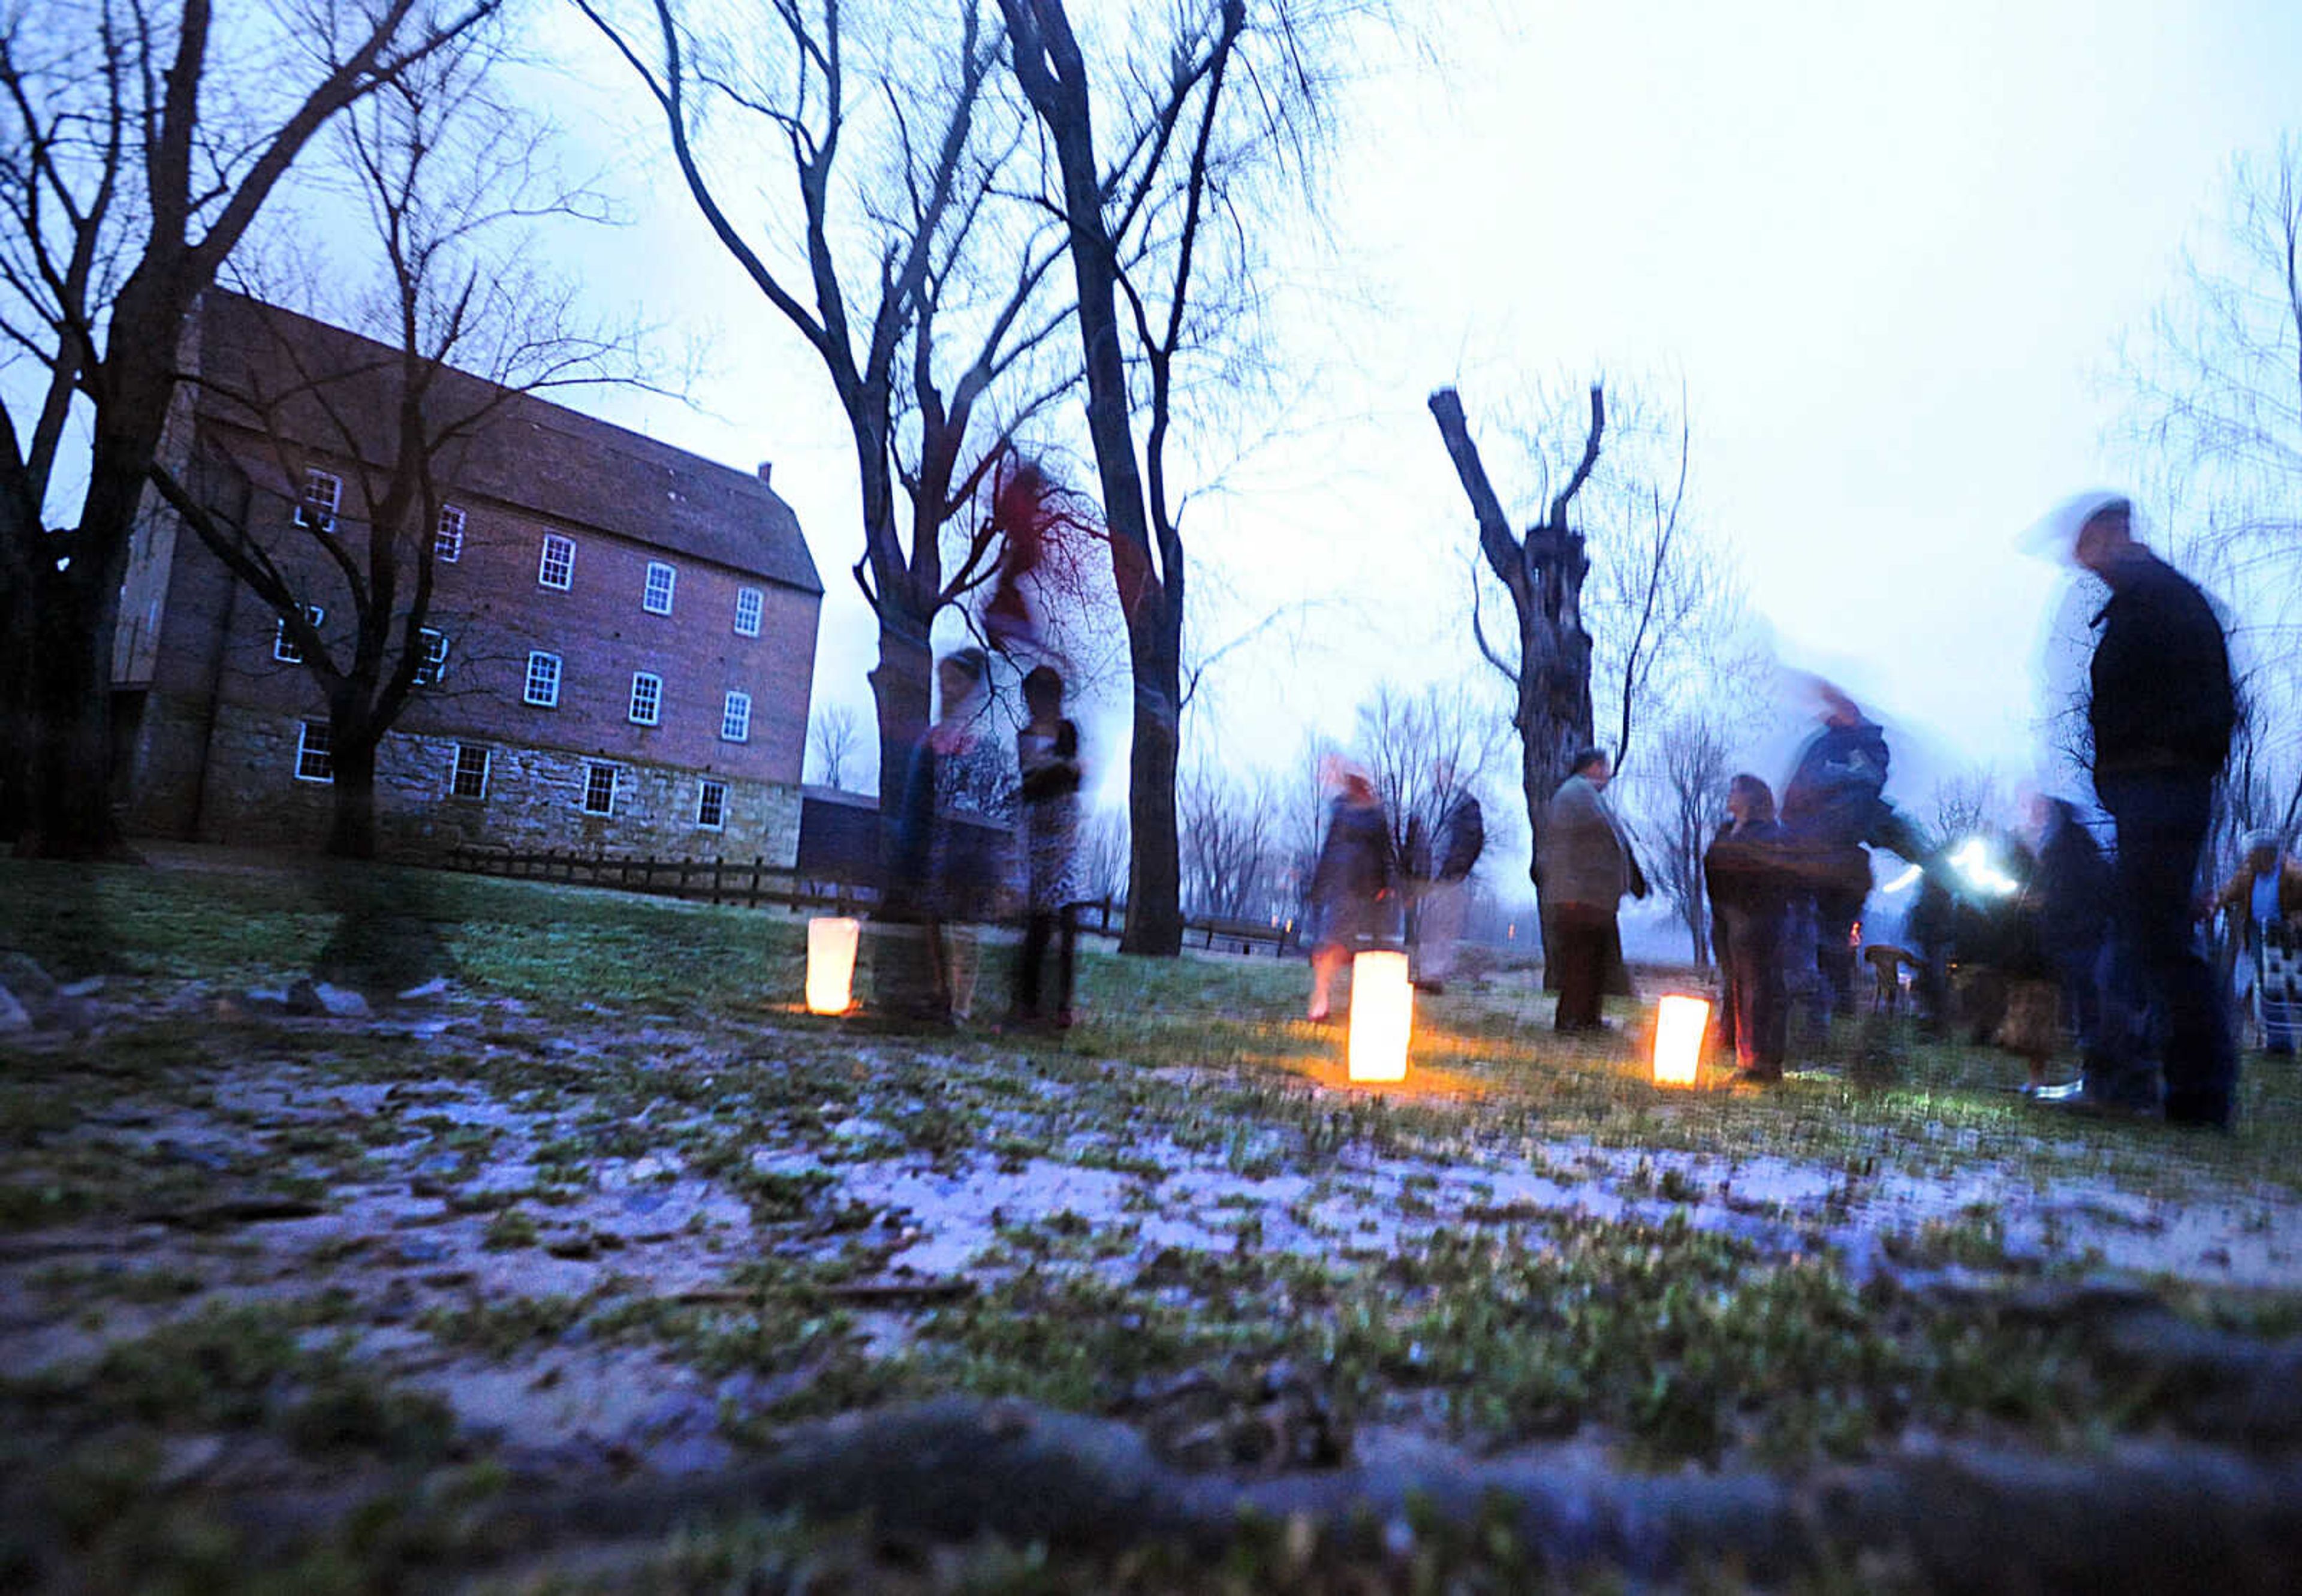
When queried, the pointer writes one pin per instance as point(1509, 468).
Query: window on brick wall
point(599, 789)
point(469, 779)
point(283, 646)
point(557, 568)
point(313, 753)
point(543, 680)
point(736, 718)
point(655, 598)
point(750, 603)
point(711, 806)
point(448, 537)
point(434, 665)
point(647, 698)
point(324, 493)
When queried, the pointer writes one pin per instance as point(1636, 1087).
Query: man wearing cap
point(2161, 709)
point(2262, 898)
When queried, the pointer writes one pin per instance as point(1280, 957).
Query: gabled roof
point(564, 466)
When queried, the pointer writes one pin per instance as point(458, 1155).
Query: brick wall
point(535, 800)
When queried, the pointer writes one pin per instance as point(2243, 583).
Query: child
point(1047, 752)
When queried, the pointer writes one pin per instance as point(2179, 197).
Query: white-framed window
point(736, 718)
point(324, 494)
point(711, 806)
point(543, 680)
point(647, 698)
point(434, 665)
point(469, 778)
point(655, 598)
point(751, 603)
point(599, 789)
point(557, 568)
point(283, 646)
point(314, 760)
point(448, 537)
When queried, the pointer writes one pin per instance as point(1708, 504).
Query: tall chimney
point(767, 473)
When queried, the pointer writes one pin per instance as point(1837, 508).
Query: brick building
point(624, 634)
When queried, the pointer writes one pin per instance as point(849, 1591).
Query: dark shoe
point(1758, 1075)
point(1432, 989)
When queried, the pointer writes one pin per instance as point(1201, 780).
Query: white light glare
point(1905, 881)
point(1973, 861)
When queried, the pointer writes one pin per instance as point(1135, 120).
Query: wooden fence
point(755, 883)
point(751, 883)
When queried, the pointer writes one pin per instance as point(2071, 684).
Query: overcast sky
point(1889, 249)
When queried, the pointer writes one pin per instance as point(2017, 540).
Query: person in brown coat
point(1586, 869)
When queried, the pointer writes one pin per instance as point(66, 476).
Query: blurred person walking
point(1445, 865)
point(2073, 887)
point(950, 855)
point(1352, 885)
point(1750, 886)
point(1833, 805)
point(2160, 708)
point(1586, 869)
point(1047, 756)
point(2263, 900)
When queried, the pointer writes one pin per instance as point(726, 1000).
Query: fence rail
point(755, 883)
point(749, 883)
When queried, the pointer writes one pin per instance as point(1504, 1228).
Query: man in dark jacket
point(2162, 709)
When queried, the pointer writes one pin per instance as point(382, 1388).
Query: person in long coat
point(1585, 871)
point(1751, 887)
point(1352, 885)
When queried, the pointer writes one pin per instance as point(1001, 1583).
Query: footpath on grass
point(510, 1275)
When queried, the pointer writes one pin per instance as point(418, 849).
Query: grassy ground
point(616, 1204)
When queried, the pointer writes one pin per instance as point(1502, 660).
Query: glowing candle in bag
point(1383, 1013)
point(831, 964)
point(1679, 1024)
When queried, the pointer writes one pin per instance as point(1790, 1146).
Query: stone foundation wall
point(535, 800)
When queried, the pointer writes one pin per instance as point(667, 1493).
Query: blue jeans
point(2161, 818)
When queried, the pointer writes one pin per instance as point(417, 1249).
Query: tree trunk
point(69, 702)
point(900, 696)
point(1154, 914)
point(351, 828)
point(1043, 40)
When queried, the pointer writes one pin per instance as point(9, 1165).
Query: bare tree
point(1686, 797)
point(138, 142)
point(907, 250)
point(1103, 845)
point(1549, 666)
point(1969, 802)
point(1152, 207)
point(1230, 827)
point(836, 740)
point(1423, 749)
point(2216, 421)
point(453, 176)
